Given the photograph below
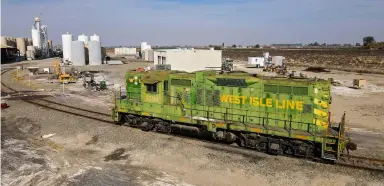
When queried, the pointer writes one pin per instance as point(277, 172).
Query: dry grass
point(352, 60)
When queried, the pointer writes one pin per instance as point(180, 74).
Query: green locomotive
point(273, 114)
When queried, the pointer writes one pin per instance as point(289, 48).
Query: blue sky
point(199, 22)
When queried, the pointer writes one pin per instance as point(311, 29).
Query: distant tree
point(233, 46)
point(217, 47)
point(257, 46)
point(358, 45)
point(210, 46)
point(316, 44)
point(222, 44)
point(324, 44)
point(368, 40)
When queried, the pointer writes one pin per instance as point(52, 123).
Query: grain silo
point(83, 38)
point(95, 38)
point(77, 53)
point(3, 41)
point(21, 45)
point(94, 50)
point(67, 44)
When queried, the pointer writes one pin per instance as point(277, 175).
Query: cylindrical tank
point(95, 37)
point(94, 50)
point(77, 53)
point(143, 45)
point(20, 42)
point(66, 45)
point(35, 38)
point(266, 54)
point(4, 41)
point(83, 38)
point(278, 60)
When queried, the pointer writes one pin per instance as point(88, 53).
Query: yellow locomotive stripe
point(319, 122)
point(221, 125)
point(320, 113)
point(256, 130)
point(302, 137)
point(183, 119)
point(323, 104)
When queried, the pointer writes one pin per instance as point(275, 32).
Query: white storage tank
point(35, 38)
point(20, 43)
point(67, 45)
point(94, 50)
point(266, 55)
point(278, 60)
point(95, 38)
point(77, 53)
point(143, 46)
point(4, 41)
point(83, 38)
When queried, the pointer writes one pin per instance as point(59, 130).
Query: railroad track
point(361, 162)
point(345, 160)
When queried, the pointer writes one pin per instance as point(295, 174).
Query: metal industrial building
point(188, 60)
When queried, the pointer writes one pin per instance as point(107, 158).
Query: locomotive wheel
point(241, 142)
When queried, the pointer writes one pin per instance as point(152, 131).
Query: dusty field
point(354, 60)
point(86, 152)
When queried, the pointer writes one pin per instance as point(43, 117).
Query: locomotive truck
point(278, 115)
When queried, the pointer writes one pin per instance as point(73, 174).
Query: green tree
point(217, 47)
point(358, 45)
point(368, 40)
point(257, 46)
point(233, 46)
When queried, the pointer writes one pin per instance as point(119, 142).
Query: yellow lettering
point(250, 100)
point(269, 102)
point(243, 99)
point(224, 98)
point(299, 105)
point(291, 104)
point(261, 102)
point(280, 106)
point(237, 100)
point(256, 101)
point(230, 99)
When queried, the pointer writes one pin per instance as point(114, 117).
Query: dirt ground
point(87, 152)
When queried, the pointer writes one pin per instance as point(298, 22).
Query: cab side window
point(152, 88)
